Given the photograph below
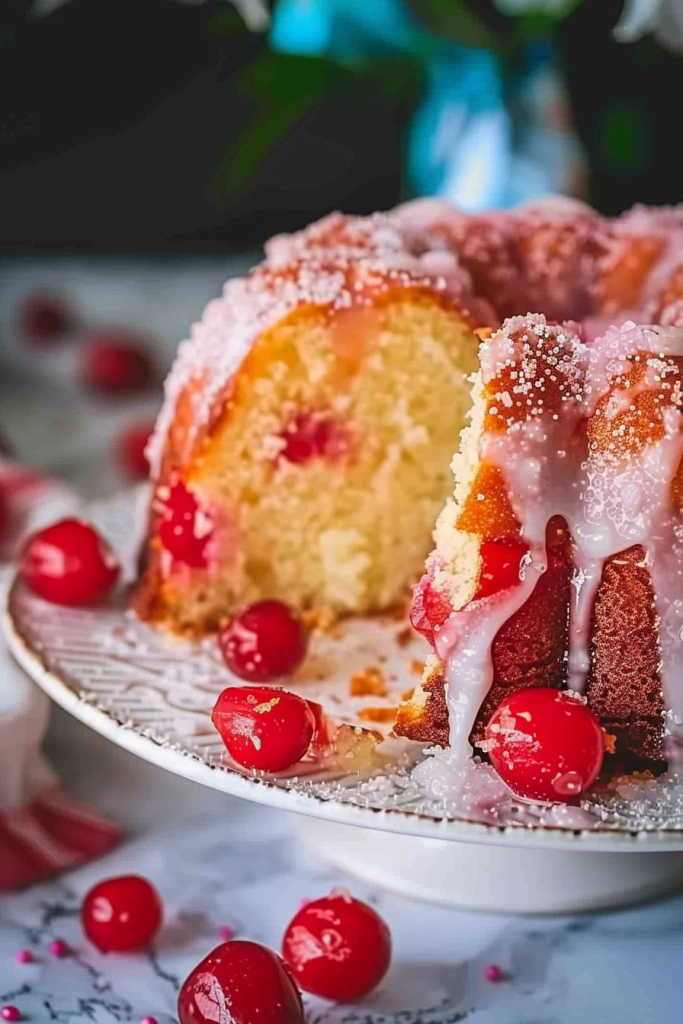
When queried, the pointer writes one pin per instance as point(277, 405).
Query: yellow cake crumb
point(370, 681)
point(346, 534)
point(355, 749)
point(377, 714)
point(404, 636)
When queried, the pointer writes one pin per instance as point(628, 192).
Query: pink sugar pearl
point(59, 948)
point(25, 956)
point(149, 1020)
point(494, 972)
point(10, 1013)
point(226, 933)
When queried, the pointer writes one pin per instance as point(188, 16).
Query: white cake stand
point(153, 696)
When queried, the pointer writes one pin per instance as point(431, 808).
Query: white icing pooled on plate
point(614, 492)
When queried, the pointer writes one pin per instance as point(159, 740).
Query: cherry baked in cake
point(303, 453)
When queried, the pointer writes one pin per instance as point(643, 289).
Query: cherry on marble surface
point(122, 914)
point(45, 318)
point(114, 362)
point(131, 447)
point(337, 947)
point(59, 948)
point(241, 983)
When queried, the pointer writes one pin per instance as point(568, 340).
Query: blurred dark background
point(160, 126)
point(148, 147)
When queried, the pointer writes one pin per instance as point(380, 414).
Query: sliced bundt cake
point(303, 449)
point(560, 560)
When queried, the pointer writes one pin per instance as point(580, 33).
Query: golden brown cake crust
point(424, 717)
point(623, 686)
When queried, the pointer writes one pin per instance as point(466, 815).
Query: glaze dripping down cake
point(559, 561)
point(303, 451)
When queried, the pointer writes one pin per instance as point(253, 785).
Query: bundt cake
point(303, 449)
point(559, 561)
point(560, 258)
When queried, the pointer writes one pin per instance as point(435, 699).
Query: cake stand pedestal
point(500, 879)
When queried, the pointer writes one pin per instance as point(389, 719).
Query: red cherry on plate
point(325, 728)
point(45, 318)
point(545, 744)
point(500, 565)
point(69, 563)
point(263, 727)
point(116, 363)
point(185, 528)
point(337, 947)
point(122, 914)
point(240, 983)
point(264, 642)
point(131, 449)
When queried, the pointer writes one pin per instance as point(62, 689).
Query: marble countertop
point(220, 861)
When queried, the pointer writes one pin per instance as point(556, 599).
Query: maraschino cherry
point(499, 570)
point(241, 983)
point(429, 609)
point(500, 566)
point(325, 728)
point(115, 362)
point(313, 435)
point(264, 727)
point(69, 563)
point(123, 914)
point(545, 744)
point(337, 947)
point(131, 448)
point(45, 318)
point(264, 642)
point(185, 528)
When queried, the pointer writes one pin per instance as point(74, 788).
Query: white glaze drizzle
point(610, 502)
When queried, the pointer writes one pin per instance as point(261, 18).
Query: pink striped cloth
point(42, 830)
